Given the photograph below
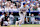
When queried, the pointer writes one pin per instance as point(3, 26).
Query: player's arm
point(27, 7)
point(19, 9)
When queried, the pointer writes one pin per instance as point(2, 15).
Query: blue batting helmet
point(23, 3)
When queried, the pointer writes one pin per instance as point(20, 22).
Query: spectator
point(39, 17)
point(4, 1)
point(32, 18)
point(13, 0)
point(13, 7)
point(7, 7)
point(35, 8)
point(1, 9)
point(0, 3)
point(38, 8)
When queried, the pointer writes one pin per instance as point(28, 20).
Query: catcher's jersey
point(23, 9)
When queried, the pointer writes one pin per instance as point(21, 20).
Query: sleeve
point(19, 8)
point(27, 7)
point(2, 16)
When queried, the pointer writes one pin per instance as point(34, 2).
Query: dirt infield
point(23, 26)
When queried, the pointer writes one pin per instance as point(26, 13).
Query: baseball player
point(22, 13)
point(6, 19)
point(11, 18)
point(2, 19)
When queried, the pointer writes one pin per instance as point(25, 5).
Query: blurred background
point(9, 9)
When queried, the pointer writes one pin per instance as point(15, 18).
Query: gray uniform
point(22, 12)
point(11, 19)
point(1, 17)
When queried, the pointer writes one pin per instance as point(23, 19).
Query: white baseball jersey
point(23, 10)
point(1, 17)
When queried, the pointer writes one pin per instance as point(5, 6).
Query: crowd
point(13, 6)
